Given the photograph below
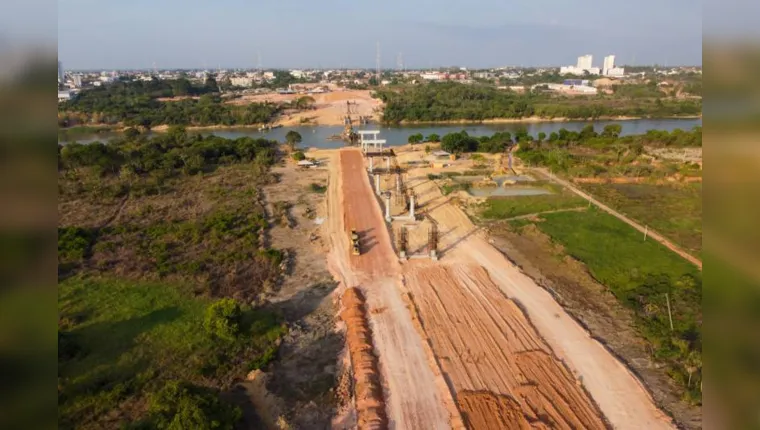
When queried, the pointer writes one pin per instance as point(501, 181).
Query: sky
point(101, 34)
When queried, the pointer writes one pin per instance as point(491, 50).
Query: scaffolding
point(369, 141)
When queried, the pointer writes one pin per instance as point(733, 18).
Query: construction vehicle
point(355, 243)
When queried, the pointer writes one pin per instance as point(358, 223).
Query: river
point(316, 136)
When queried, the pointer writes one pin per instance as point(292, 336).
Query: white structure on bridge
point(369, 139)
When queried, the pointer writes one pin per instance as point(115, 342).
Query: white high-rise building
point(61, 76)
point(609, 63)
point(584, 62)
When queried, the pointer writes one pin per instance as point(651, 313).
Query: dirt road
point(650, 233)
point(415, 396)
point(620, 396)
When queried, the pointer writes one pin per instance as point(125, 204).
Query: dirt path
point(620, 396)
point(650, 233)
point(413, 393)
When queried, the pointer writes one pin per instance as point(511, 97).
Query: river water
point(317, 136)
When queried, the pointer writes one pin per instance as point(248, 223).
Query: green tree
point(131, 133)
point(415, 138)
point(210, 84)
point(181, 87)
point(222, 320)
point(293, 138)
point(458, 143)
point(612, 130)
point(432, 137)
point(181, 406)
point(541, 136)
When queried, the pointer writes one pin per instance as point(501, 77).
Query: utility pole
point(646, 232)
point(377, 64)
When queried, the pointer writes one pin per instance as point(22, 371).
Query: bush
point(298, 156)
point(433, 138)
point(75, 243)
point(316, 188)
point(222, 319)
point(181, 405)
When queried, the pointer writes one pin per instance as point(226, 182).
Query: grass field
point(673, 210)
point(508, 207)
point(640, 274)
point(121, 340)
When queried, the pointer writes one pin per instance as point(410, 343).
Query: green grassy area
point(508, 207)
point(119, 341)
point(640, 273)
point(673, 210)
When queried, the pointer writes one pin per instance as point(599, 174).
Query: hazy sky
point(332, 33)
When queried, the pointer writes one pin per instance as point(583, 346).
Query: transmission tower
point(400, 61)
point(258, 61)
point(377, 64)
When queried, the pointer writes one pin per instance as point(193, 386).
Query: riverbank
point(119, 128)
point(538, 119)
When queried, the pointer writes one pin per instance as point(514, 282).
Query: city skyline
point(300, 34)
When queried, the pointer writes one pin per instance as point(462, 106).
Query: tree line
point(170, 154)
point(454, 101)
point(136, 103)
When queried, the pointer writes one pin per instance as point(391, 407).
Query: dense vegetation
point(643, 275)
point(160, 249)
point(591, 154)
point(136, 103)
point(453, 101)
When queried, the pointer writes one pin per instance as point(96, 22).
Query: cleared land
point(600, 372)
point(329, 108)
point(485, 344)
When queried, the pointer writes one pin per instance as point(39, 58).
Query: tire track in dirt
point(485, 344)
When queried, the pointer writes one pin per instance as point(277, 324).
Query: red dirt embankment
point(368, 391)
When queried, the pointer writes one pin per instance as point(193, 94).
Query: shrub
point(181, 405)
point(75, 243)
point(433, 138)
point(222, 319)
point(316, 188)
point(298, 156)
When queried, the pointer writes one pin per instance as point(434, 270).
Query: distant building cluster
point(585, 66)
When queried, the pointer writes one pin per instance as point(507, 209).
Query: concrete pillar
point(433, 255)
point(411, 206)
point(377, 184)
point(388, 207)
point(388, 164)
point(371, 165)
point(398, 183)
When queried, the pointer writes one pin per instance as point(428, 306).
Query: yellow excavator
point(355, 243)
